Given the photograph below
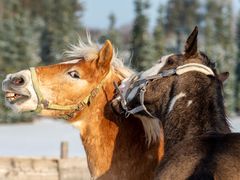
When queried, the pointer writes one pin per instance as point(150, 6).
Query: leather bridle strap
point(183, 69)
point(194, 67)
point(45, 104)
point(141, 84)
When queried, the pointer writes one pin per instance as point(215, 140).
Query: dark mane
point(208, 61)
point(218, 98)
point(218, 104)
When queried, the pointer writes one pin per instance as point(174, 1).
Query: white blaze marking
point(189, 103)
point(174, 100)
point(152, 71)
point(156, 68)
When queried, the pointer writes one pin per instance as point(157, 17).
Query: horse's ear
point(223, 76)
point(191, 43)
point(105, 55)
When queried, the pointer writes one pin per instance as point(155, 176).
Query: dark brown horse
point(189, 104)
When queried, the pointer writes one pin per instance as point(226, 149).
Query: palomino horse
point(186, 96)
point(80, 90)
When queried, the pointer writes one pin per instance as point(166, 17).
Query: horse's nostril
point(18, 81)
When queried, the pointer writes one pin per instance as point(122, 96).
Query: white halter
point(127, 92)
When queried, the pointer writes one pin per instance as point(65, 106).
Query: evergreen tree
point(158, 34)
point(181, 17)
point(112, 33)
point(61, 26)
point(219, 31)
point(18, 46)
point(46, 43)
point(219, 41)
point(237, 72)
point(141, 46)
point(32, 28)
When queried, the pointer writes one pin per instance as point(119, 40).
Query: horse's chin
point(22, 104)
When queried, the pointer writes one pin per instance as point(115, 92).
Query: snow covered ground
point(43, 138)
point(235, 124)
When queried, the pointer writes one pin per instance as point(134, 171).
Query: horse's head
point(192, 55)
point(189, 67)
point(176, 81)
point(63, 87)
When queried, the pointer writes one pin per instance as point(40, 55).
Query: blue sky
point(97, 12)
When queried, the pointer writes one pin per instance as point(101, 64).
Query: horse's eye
point(74, 74)
point(170, 61)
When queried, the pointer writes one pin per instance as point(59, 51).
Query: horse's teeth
point(10, 94)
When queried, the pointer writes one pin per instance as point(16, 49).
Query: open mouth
point(13, 97)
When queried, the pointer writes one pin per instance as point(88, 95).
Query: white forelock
point(89, 51)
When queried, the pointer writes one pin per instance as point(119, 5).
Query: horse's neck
point(98, 137)
point(195, 114)
point(114, 146)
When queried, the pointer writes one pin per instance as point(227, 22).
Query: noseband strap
point(194, 67)
point(181, 70)
point(45, 104)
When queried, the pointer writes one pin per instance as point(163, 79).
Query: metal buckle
point(81, 106)
point(169, 72)
point(94, 92)
point(45, 103)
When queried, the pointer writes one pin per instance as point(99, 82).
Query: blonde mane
point(89, 51)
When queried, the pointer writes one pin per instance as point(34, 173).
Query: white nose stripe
point(8, 77)
point(156, 68)
point(31, 103)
